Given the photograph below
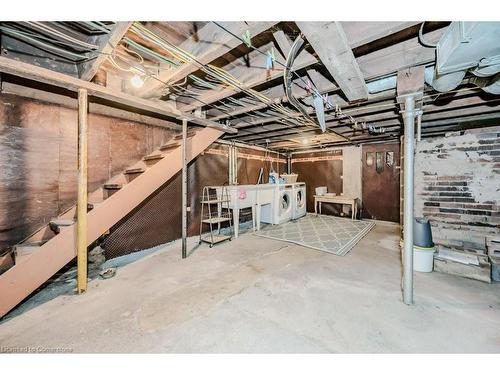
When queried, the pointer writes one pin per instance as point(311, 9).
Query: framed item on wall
point(379, 162)
point(369, 159)
point(389, 158)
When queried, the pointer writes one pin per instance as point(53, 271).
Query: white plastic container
point(321, 190)
point(423, 258)
point(290, 178)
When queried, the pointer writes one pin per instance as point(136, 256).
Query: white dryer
point(299, 200)
point(281, 208)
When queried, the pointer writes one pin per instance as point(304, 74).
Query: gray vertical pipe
point(184, 189)
point(230, 164)
point(419, 127)
point(409, 124)
point(235, 165)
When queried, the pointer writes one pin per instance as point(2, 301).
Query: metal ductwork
point(472, 47)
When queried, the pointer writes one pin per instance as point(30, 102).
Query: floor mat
point(332, 234)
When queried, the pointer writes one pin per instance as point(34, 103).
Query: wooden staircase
point(45, 252)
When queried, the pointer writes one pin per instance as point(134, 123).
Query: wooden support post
point(184, 189)
point(81, 214)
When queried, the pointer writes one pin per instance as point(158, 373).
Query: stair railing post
point(81, 215)
point(184, 189)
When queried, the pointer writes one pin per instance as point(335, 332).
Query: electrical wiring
point(37, 36)
point(80, 26)
point(157, 56)
point(57, 33)
point(421, 37)
point(215, 73)
point(211, 70)
point(141, 59)
point(117, 66)
point(291, 72)
point(263, 53)
point(45, 46)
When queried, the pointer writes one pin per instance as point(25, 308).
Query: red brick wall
point(457, 186)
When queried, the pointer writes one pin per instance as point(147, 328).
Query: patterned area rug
point(332, 234)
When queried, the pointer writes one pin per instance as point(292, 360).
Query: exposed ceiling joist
point(360, 33)
point(372, 31)
point(208, 44)
point(107, 43)
point(50, 77)
point(399, 56)
point(330, 43)
point(388, 120)
point(252, 76)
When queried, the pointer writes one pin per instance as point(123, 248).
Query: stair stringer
point(25, 277)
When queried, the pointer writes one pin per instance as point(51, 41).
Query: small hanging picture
point(369, 159)
point(379, 162)
point(389, 158)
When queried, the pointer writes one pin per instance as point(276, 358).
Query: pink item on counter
point(243, 193)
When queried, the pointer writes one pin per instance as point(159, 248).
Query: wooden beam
point(330, 43)
point(388, 119)
point(399, 56)
point(81, 207)
point(49, 77)
point(95, 108)
point(107, 43)
point(285, 44)
point(360, 33)
point(208, 44)
point(250, 77)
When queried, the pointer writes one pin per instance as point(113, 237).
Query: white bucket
point(423, 258)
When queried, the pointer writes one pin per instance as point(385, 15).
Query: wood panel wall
point(38, 159)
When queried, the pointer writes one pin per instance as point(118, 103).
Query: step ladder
point(215, 211)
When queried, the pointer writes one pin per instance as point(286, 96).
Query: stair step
point(91, 206)
point(111, 186)
point(153, 157)
point(25, 249)
point(169, 146)
point(6, 261)
point(57, 224)
point(189, 134)
point(24, 278)
point(134, 170)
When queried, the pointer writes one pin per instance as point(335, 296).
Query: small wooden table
point(340, 199)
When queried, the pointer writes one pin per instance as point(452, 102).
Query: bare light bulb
point(137, 81)
point(305, 141)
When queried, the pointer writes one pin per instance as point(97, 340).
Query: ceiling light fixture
point(137, 81)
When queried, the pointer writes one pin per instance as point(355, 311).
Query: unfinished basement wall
point(457, 186)
point(323, 168)
point(158, 219)
point(38, 159)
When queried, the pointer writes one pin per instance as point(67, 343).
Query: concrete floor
point(260, 295)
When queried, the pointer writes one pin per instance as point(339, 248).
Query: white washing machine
point(281, 208)
point(299, 200)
